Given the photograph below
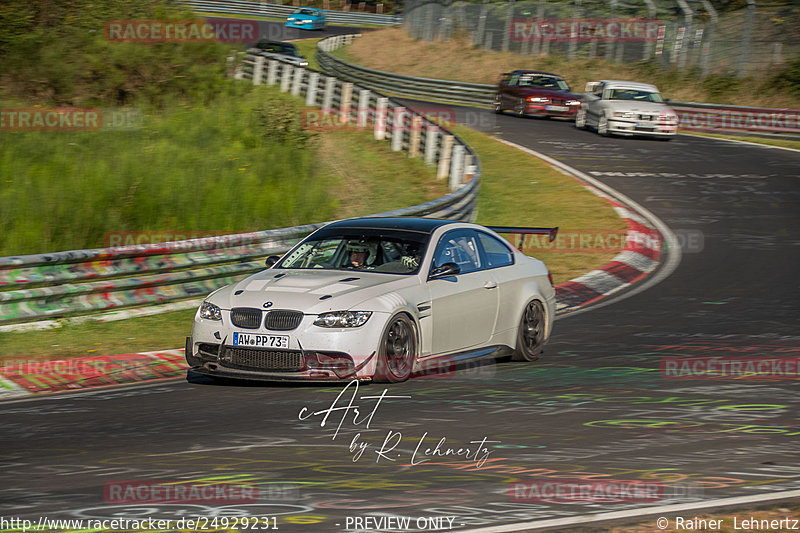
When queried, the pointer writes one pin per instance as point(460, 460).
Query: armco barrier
point(244, 8)
point(693, 116)
point(80, 282)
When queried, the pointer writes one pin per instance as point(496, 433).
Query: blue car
point(306, 18)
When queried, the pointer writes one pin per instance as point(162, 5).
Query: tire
point(602, 126)
point(397, 351)
point(530, 334)
point(580, 120)
point(519, 109)
point(498, 104)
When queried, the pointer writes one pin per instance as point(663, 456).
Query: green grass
point(517, 189)
point(308, 49)
point(240, 164)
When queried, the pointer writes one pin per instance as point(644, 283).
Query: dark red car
point(528, 92)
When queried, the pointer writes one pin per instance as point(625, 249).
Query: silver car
point(626, 108)
point(377, 299)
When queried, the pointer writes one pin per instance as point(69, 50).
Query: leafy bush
point(56, 53)
point(787, 80)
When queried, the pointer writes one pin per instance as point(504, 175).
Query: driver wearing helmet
point(361, 254)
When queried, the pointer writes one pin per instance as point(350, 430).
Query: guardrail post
point(416, 127)
point(363, 108)
point(457, 167)
point(297, 81)
point(469, 169)
point(345, 103)
point(397, 128)
point(311, 94)
point(431, 138)
point(444, 156)
point(286, 77)
point(258, 70)
point(380, 118)
point(327, 97)
point(272, 72)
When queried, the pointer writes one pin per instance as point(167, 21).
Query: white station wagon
point(626, 108)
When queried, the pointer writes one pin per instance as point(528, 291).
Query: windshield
point(389, 252)
point(634, 94)
point(304, 12)
point(544, 82)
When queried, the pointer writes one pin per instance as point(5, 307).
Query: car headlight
point(210, 311)
point(623, 114)
point(538, 99)
point(306, 21)
point(343, 319)
point(572, 102)
point(672, 118)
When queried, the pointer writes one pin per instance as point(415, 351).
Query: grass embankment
point(517, 189)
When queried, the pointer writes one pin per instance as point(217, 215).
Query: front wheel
point(521, 107)
point(397, 351)
point(580, 120)
point(530, 334)
point(602, 126)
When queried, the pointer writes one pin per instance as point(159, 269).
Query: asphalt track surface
point(596, 409)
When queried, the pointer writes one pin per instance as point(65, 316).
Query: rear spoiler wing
point(550, 232)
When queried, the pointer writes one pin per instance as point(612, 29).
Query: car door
point(463, 306)
point(510, 92)
point(592, 104)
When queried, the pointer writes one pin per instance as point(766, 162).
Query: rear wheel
point(397, 351)
point(498, 104)
point(530, 334)
point(580, 120)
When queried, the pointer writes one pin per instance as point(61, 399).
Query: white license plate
point(260, 341)
point(556, 108)
point(645, 125)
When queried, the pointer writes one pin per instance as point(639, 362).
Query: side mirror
point(443, 271)
point(271, 260)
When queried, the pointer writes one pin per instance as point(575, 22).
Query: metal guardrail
point(79, 282)
point(693, 116)
point(249, 9)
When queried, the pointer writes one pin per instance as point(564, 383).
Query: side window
point(496, 252)
point(514, 80)
point(459, 247)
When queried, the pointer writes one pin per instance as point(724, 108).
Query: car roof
point(419, 224)
point(539, 72)
point(620, 84)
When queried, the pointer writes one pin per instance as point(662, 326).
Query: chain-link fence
point(683, 34)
